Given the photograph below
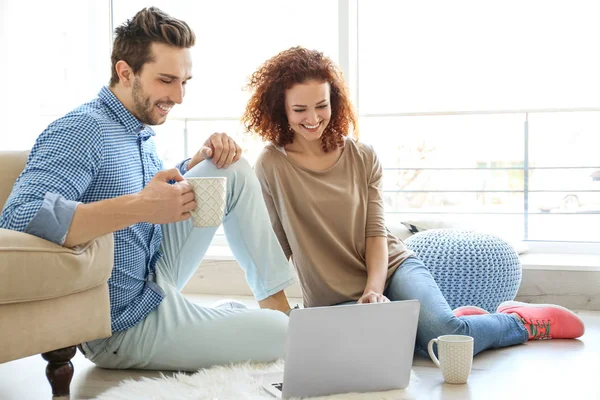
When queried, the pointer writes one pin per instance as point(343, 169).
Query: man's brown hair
point(134, 38)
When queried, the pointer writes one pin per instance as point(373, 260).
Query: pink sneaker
point(545, 321)
point(469, 310)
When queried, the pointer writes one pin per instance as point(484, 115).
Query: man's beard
point(141, 104)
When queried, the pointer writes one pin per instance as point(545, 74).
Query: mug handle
point(431, 353)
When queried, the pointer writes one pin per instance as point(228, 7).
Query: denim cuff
point(263, 294)
point(182, 166)
point(53, 219)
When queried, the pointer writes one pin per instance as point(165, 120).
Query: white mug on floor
point(456, 356)
point(209, 194)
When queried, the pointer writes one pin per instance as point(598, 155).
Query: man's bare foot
point(278, 302)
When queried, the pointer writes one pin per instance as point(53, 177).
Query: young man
point(96, 171)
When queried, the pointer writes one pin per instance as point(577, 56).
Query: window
point(481, 124)
point(481, 113)
point(54, 59)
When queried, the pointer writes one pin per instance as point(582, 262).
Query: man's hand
point(162, 202)
point(223, 150)
point(372, 297)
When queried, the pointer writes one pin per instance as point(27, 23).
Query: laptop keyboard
point(278, 386)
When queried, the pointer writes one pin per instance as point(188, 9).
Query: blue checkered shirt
point(97, 151)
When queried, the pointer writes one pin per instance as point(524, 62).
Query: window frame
point(349, 53)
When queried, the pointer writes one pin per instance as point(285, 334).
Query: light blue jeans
point(412, 280)
point(180, 335)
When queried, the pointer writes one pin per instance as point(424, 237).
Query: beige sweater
point(322, 220)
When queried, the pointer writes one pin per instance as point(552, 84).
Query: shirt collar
point(131, 123)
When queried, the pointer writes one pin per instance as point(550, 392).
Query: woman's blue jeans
point(412, 280)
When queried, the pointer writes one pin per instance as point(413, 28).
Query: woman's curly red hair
point(265, 112)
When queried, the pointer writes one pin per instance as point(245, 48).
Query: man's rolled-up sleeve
point(63, 163)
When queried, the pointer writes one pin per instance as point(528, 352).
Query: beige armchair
point(51, 298)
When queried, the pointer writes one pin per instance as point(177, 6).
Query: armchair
point(51, 298)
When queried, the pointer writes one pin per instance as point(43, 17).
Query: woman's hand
point(373, 297)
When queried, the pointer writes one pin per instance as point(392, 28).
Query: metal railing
point(526, 168)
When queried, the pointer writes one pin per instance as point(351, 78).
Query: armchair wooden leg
point(59, 370)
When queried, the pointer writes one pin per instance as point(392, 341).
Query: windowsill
point(560, 262)
point(531, 261)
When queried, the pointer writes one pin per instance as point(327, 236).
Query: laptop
point(347, 348)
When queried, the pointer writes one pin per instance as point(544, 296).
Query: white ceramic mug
point(456, 356)
point(209, 194)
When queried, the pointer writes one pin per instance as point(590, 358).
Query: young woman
point(322, 188)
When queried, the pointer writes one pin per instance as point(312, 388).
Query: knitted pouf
point(471, 268)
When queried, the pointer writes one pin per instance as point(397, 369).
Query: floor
point(543, 369)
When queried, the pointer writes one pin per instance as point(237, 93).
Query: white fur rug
point(236, 382)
